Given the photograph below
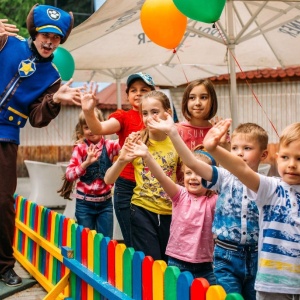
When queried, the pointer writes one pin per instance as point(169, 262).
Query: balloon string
point(247, 82)
point(175, 52)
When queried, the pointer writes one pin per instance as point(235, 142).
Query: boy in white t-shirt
point(278, 201)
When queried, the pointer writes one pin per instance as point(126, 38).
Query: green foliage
point(16, 12)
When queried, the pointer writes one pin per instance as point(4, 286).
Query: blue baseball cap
point(145, 77)
point(46, 18)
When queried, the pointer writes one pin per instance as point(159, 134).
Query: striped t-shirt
point(279, 237)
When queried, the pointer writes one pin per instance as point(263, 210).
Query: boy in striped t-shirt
point(278, 201)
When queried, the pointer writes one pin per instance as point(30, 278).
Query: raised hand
point(88, 97)
point(163, 125)
point(134, 137)
point(126, 154)
point(139, 149)
point(7, 29)
point(92, 154)
point(68, 94)
point(216, 134)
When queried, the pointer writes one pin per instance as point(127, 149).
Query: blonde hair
point(253, 131)
point(78, 134)
point(290, 134)
point(165, 102)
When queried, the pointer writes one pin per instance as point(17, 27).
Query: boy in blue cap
point(30, 88)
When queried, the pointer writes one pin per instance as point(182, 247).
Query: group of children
point(174, 202)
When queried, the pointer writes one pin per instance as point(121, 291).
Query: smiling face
point(288, 162)
point(87, 134)
point(46, 43)
point(192, 182)
point(199, 103)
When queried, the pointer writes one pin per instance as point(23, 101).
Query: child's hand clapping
point(163, 125)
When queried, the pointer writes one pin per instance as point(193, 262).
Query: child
point(89, 162)
point(123, 123)
point(278, 201)
point(190, 246)
point(151, 208)
point(236, 218)
point(199, 105)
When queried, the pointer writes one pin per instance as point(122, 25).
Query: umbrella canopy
point(111, 44)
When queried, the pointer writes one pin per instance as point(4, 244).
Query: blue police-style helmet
point(46, 18)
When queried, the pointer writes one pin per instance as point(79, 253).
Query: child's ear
point(264, 155)
point(169, 111)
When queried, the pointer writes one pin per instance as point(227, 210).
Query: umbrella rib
point(260, 28)
point(252, 19)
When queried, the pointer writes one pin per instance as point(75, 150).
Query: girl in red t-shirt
point(199, 106)
point(122, 123)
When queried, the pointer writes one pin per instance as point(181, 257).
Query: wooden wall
point(49, 154)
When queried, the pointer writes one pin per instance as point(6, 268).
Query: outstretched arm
point(88, 105)
point(169, 186)
point(201, 168)
point(229, 161)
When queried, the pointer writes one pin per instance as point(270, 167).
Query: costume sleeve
point(44, 109)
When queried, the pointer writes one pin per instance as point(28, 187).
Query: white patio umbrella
point(111, 44)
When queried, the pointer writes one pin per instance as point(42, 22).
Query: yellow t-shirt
point(148, 192)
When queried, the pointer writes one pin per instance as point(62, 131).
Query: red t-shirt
point(130, 121)
point(192, 135)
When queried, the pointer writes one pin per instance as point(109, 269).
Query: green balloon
point(207, 11)
point(64, 62)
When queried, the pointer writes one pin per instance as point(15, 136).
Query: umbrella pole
point(233, 89)
point(119, 101)
point(231, 48)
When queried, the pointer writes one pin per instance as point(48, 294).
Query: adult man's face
point(46, 43)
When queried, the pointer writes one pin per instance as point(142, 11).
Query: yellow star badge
point(26, 68)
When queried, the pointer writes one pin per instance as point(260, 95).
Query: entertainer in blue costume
point(30, 88)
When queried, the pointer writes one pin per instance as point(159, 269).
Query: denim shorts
point(235, 270)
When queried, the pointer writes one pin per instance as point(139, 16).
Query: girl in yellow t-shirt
point(151, 208)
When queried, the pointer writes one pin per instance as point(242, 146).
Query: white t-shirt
point(279, 237)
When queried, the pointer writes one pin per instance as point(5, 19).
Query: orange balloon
point(163, 23)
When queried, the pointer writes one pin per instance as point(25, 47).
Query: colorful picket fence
point(72, 262)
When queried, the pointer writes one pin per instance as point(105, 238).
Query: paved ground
point(35, 292)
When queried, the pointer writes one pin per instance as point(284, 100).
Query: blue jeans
point(198, 270)
point(95, 215)
point(236, 270)
point(122, 198)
